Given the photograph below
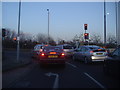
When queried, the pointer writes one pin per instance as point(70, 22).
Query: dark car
point(112, 63)
point(52, 55)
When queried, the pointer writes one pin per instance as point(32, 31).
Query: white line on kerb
point(56, 79)
point(94, 80)
point(71, 65)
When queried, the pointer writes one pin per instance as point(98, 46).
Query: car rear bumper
point(96, 58)
point(52, 61)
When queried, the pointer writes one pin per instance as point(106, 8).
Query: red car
point(52, 55)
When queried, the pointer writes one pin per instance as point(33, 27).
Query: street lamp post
point(48, 26)
point(104, 23)
point(116, 20)
point(18, 37)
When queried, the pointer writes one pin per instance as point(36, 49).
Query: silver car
point(90, 53)
point(37, 50)
point(68, 49)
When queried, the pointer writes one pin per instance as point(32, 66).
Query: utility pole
point(48, 26)
point(18, 37)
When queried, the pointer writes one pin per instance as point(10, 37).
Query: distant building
point(118, 24)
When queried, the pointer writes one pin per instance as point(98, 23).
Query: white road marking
point(71, 65)
point(56, 79)
point(94, 80)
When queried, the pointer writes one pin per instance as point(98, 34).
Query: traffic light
point(14, 38)
point(85, 26)
point(3, 32)
point(86, 35)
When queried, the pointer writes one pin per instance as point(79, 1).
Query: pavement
point(9, 59)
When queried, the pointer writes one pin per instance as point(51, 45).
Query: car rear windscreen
point(67, 47)
point(52, 49)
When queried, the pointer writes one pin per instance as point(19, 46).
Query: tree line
point(28, 41)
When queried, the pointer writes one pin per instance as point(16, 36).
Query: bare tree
point(95, 38)
point(111, 39)
point(10, 34)
point(25, 36)
point(43, 39)
point(81, 37)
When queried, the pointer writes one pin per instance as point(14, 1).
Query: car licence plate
point(52, 56)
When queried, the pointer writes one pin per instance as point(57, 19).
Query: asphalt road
point(74, 75)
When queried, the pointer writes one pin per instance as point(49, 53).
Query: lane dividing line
point(56, 82)
point(71, 65)
point(94, 80)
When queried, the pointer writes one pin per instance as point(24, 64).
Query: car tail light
point(41, 50)
point(106, 53)
point(91, 51)
point(63, 54)
point(42, 54)
point(46, 45)
point(52, 52)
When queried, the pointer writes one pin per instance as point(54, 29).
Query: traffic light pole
point(85, 38)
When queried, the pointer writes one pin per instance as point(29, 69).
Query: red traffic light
point(86, 35)
point(85, 24)
point(14, 38)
